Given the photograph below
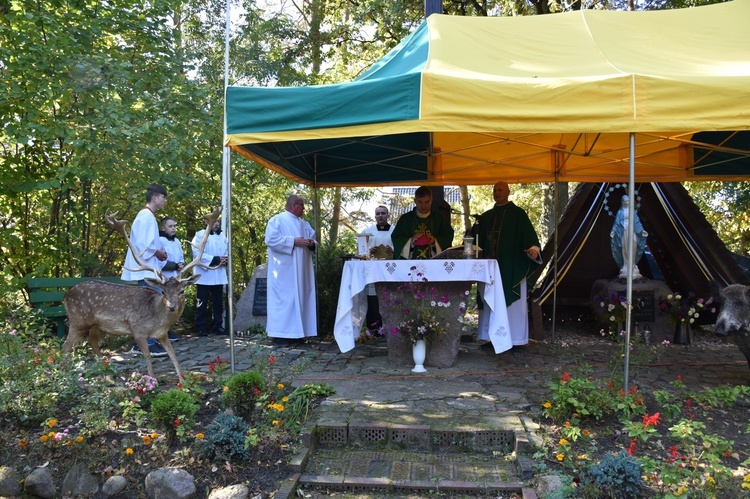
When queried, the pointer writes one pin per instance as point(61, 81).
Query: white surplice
point(291, 282)
point(216, 246)
point(144, 235)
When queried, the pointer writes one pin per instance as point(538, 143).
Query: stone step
point(403, 472)
point(394, 459)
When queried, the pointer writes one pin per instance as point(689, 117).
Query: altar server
point(291, 282)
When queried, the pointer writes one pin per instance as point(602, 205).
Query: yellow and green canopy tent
point(471, 100)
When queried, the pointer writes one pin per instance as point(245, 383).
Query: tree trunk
point(335, 216)
point(465, 208)
point(551, 216)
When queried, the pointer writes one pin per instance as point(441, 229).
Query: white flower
point(601, 304)
point(610, 307)
point(462, 304)
point(432, 303)
point(669, 297)
point(466, 293)
point(612, 318)
point(677, 297)
point(692, 320)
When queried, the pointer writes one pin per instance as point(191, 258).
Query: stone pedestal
point(245, 318)
point(647, 292)
point(443, 350)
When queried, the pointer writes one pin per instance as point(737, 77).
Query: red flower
point(651, 420)
point(632, 447)
point(565, 377)
point(727, 453)
point(673, 454)
point(272, 359)
point(177, 423)
point(211, 367)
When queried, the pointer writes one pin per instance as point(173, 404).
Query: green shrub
point(174, 411)
point(617, 475)
point(225, 438)
point(328, 278)
point(243, 391)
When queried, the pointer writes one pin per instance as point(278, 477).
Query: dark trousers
point(373, 319)
point(202, 316)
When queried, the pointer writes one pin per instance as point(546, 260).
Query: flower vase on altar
point(682, 333)
point(419, 352)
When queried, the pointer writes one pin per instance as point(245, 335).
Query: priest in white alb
point(291, 282)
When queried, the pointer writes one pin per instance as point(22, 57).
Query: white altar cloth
point(357, 274)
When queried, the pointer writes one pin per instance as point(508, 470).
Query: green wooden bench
point(46, 294)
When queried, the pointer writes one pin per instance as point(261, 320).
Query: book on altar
point(457, 253)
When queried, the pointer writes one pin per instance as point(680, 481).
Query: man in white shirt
point(212, 281)
point(175, 261)
point(291, 282)
point(144, 236)
point(380, 234)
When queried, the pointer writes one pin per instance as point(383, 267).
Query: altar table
point(357, 274)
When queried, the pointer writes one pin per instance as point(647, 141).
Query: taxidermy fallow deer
point(142, 312)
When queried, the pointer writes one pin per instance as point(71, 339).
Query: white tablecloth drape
point(357, 274)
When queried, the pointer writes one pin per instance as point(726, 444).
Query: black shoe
point(283, 342)
point(172, 336)
point(220, 331)
point(487, 346)
point(202, 333)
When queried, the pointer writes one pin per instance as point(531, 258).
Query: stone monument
point(251, 308)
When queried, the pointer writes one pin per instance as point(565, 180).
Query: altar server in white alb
point(212, 281)
point(380, 241)
point(291, 282)
point(175, 261)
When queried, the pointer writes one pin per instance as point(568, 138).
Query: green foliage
point(617, 475)
point(301, 401)
point(329, 269)
point(577, 395)
point(225, 439)
point(174, 412)
point(242, 392)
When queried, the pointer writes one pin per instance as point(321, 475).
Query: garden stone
point(237, 491)
point(80, 482)
point(9, 482)
point(170, 483)
point(244, 319)
point(39, 483)
point(114, 485)
point(546, 484)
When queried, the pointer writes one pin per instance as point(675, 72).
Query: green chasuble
point(434, 225)
point(504, 233)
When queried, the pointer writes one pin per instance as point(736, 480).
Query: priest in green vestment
point(421, 234)
point(506, 235)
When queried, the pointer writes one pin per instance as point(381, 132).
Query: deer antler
point(210, 221)
point(119, 226)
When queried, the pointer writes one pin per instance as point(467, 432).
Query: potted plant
point(682, 310)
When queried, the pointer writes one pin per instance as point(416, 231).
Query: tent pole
point(226, 194)
point(630, 262)
point(554, 245)
point(316, 213)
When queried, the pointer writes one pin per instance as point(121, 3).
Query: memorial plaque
point(260, 297)
point(645, 311)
